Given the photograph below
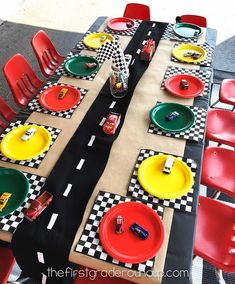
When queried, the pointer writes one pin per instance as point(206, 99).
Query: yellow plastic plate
point(13, 147)
point(161, 185)
point(94, 40)
point(178, 53)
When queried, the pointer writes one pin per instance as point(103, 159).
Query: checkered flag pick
point(107, 50)
point(119, 61)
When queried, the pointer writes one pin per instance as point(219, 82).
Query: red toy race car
point(38, 205)
point(111, 123)
point(119, 225)
point(148, 50)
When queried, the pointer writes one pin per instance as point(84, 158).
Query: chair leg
point(20, 280)
point(212, 105)
point(195, 258)
point(215, 195)
point(219, 276)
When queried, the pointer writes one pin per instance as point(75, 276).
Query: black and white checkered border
point(80, 45)
point(61, 71)
point(10, 222)
point(170, 35)
point(35, 162)
point(203, 75)
point(206, 62)
point(195, 133)
point(184, 203)
point(89, 243)
point(129, 32)
point(34, 105)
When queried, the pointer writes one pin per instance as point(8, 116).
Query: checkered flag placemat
point(170, 35)
point(129, 32)
point(206, 62)
point(184, 203)
point(89, 243)
point(203, 75)
point(61, 71)
point(196, 132)
point(10, 222)
point(34, 105)
point(35, 162)
point(81, 45)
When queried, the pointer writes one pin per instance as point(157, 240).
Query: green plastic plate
point(16, 183)
point(76, 65)
point(184, 121)
point(187, 30)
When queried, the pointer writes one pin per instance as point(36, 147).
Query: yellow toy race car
point(4, 199)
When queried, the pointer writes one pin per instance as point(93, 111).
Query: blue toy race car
point(172, 116)
point(139, 231)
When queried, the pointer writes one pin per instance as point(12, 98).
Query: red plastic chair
point(218, 170)
point(227, 93)
point(215, 233)
point(48, 58)
point(194, 19)
point(137, 11)
point(21, 79)
point(221, 127)
point(7, 261)
point(6, 111)
point(3, 125)
point(88, 276)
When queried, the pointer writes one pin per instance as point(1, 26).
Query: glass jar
point(118, 82)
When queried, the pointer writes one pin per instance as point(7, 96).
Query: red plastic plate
point(49, 98)
point(120, 24)
point(196, 86)
point(127, 247)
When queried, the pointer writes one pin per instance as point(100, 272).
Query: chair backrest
point(194, 19)
point(21, 79)
point(137, 11)
point(7, 261)
point(3, 125)
point(5, 110)
point(215, 232)
point(48, 57)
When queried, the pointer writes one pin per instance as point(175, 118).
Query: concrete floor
point(78, 15)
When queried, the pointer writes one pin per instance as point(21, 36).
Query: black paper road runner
point(74, 177)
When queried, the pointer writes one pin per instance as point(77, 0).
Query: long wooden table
point(176, 252)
